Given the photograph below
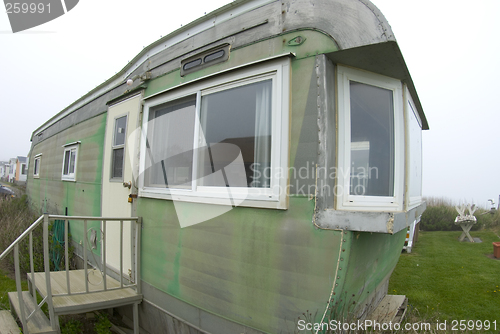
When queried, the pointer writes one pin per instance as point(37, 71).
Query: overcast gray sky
point(451, 49)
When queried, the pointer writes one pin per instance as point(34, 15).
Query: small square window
point(36, 166)
point(70, 157)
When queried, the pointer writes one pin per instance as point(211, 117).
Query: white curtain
point(262, 152)
point(170, 137)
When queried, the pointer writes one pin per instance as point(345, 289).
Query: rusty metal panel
point(350, 24)
point(372, 258)
point(327, 134)
point(380, 222)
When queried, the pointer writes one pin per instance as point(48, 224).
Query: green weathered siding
point(314, 44)
point(82, 197)
point(372, 258)
point(256, 267)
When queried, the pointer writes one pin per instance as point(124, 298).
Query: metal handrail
point(21, 237)
point(45, 218)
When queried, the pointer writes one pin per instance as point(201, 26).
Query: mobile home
point(272, 151)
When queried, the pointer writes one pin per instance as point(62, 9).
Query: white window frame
point(412, 201)
point(274, 197)
point(346, 201)
point(36, 163)
point(70, 147)
point(116, 147)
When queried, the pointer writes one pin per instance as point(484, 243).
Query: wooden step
point(8, 324)
point(38, 323)
point(79, 301)
point(392, 308)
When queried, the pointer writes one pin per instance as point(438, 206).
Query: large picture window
point(226, 134)
point(370, 141)
point(70, 157)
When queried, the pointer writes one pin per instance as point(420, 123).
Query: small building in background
point(21, 170)
point(11, 173)
point(3, 169)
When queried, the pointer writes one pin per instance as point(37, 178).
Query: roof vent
point(205, 59)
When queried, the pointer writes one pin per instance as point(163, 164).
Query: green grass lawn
point(449, 280)
point(7, 285)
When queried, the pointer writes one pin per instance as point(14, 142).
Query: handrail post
point(103, 249)
point(47, 269)
point(66, 254)
point(121, 253)
point(85, 256)
point(138, 255)
point(19, 289)
point(32, 268)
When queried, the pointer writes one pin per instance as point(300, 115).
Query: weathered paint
point(316, 42)
point(256, 267)
point(114, 195)
point(82, 197)
point(372, 258)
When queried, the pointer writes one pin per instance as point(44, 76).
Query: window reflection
point(372, 140)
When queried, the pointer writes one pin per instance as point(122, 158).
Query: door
point(119, 145)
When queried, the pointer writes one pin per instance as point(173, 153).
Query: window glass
point(69, 163)
point(117, 168)
point(66, 162)
point(239, 116)
point(36, 167)
point(372, 140)
point(119, 137)
point(214, 55)
point(169, 147)
point(192, 64)
point(72, 162)
point(120, 127)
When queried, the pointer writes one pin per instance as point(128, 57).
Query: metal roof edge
point(220, 15)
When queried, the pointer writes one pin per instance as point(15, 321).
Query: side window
point(371, 137)
point(372, 140)
point(414, 147)
point(36, 166)
point(119, 135)
point(23, 169)
point(70, 159)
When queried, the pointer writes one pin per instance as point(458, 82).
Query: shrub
point(103, 324)
point(72, 326)
point(15, 217)
point(441, 213)
point(439, 218)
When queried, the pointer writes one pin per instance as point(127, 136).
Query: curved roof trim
point(218, 16)
point(352, 24)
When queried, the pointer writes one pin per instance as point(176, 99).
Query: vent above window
point(205, 59)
